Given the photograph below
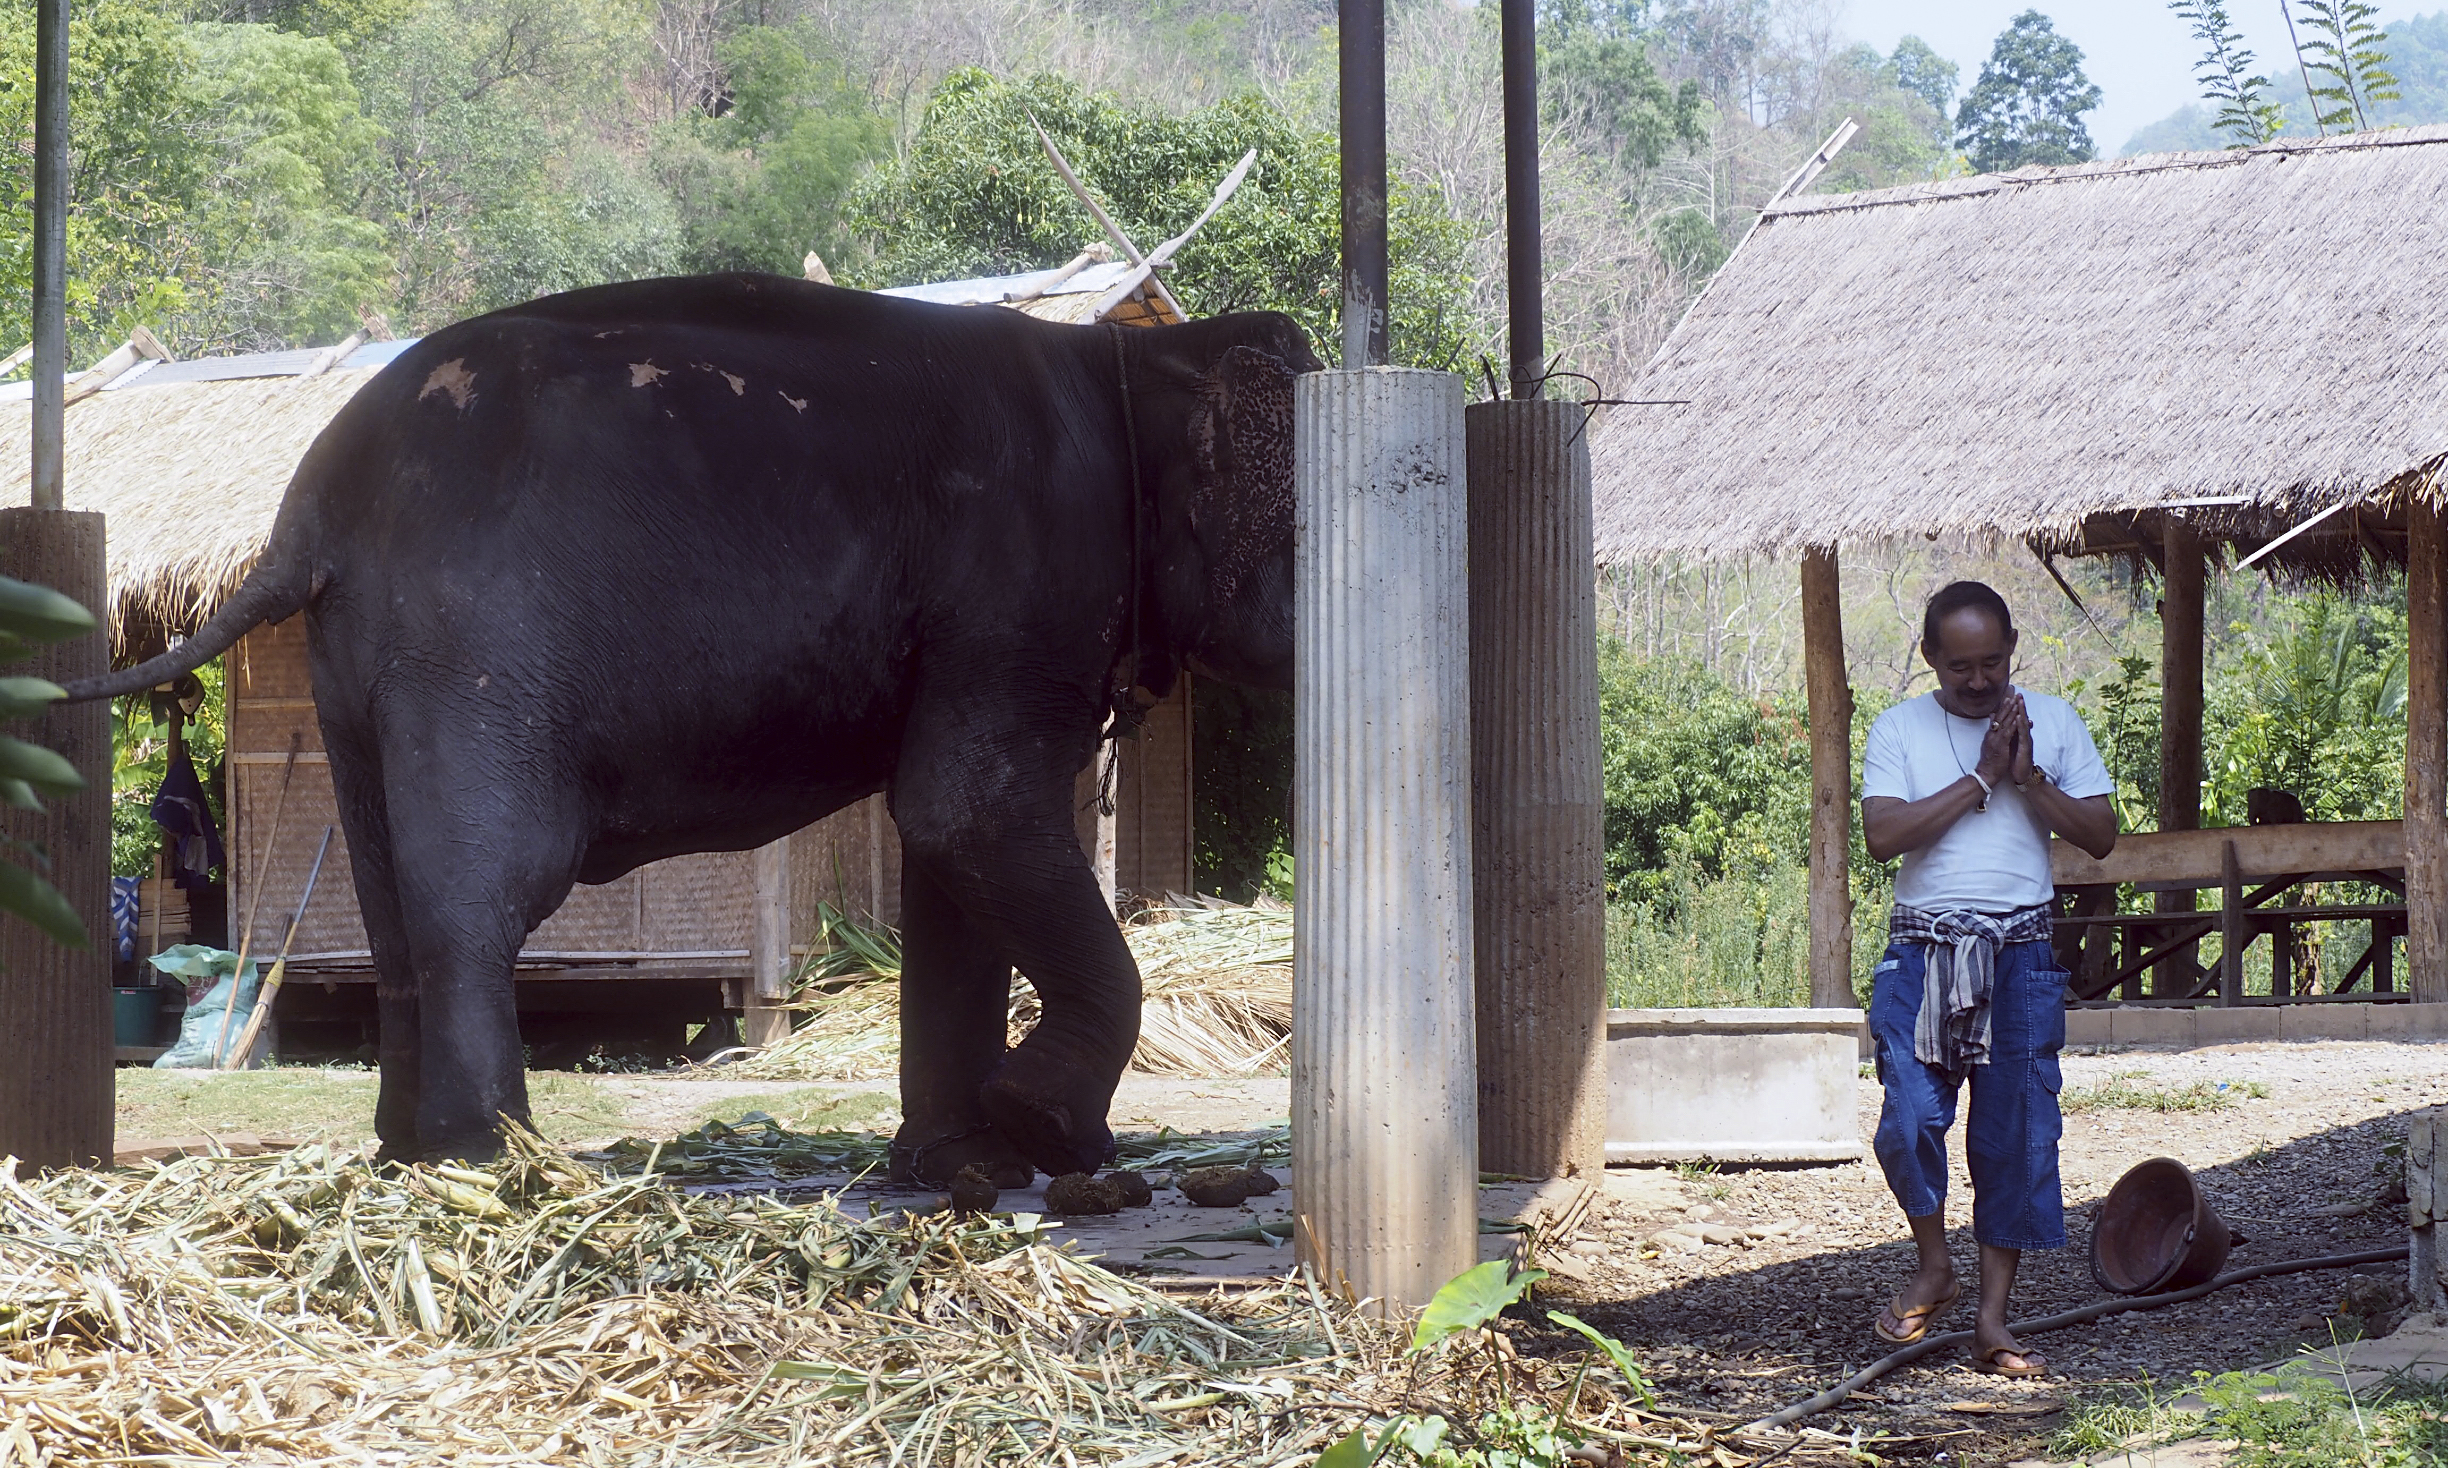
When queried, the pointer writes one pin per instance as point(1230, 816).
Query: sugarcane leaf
point(39, 903)
point(39, 767)
point(23, 697)
point(39, 614)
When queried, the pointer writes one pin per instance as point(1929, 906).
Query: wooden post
point(2426, 773)
point(1831, 833)
point(2232, 932)
point(769, 954)
point(2180, 721)
point(2424, 1134)
point(55, 1003)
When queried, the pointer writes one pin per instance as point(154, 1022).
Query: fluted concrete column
point(1385, 1126)
point(1538, 856)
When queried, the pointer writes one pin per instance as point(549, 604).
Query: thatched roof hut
point(188, 460)
point(2251, 337)
point(2156, 357)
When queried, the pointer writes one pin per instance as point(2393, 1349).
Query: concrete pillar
point(2426, 772)
point(1538, 855)
point(1385, 1125)
point(1830, 695)
point(55, 1002)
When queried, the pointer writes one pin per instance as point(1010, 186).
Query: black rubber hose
point(2104, 1308)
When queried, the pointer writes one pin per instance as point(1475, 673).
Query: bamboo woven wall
point(1152, 807)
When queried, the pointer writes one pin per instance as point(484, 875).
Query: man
point(1967, 784)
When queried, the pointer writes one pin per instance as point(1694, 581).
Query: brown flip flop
point(1986, 1362)
point(1912, 1325)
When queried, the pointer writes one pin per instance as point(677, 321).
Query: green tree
point(1597, 76)
point(974, 195)
point(2343, 56)
point(764, 183)
point(136, 163)
point(291, 259)
point(499, 177)
point(2027, 106)
point(2245, 108)
point(1920, 70)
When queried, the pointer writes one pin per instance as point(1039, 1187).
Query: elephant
point(683, 565)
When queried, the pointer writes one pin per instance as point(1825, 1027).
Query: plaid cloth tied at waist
point(1952, 1030)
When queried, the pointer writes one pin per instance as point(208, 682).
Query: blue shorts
point(2010, 1139)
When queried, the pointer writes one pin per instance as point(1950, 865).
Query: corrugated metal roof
point(226, 369)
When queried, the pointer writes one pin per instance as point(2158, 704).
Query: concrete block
point(2324, 1021)
point(2217, 1026)
point(1732, 1085)
point(2088, 1026)
point(2153, 1027)
point(2404, 1021)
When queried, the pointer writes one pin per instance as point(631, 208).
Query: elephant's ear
point(1241, 441)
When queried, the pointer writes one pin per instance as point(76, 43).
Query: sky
point(2138, 53)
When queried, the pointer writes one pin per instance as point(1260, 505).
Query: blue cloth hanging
point(180, 810)
point(124, 904)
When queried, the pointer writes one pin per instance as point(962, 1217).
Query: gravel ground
point(1745, 1327)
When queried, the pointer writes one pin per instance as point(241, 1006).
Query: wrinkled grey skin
point(683, 565)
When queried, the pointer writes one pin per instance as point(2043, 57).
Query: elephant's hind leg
point(357, 786)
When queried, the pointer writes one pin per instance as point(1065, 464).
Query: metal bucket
point(2157, 1233)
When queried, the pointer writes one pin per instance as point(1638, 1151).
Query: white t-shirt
point(1992, 861)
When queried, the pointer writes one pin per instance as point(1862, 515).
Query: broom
point(272, 981)
point(246, 938)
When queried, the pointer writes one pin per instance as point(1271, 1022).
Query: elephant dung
point(973, 1191)
point(1078, 1193)
point(1133, 1187)
point(1215, 1187)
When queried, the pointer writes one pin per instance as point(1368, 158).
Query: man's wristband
point(1987, 790)
point(2040, 776)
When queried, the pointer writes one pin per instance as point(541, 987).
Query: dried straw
point(1217, 1001)
point(308, 1307)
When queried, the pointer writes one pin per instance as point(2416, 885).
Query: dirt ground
point(1745, 1328)
point(1741, 1328)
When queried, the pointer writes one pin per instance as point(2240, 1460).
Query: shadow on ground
point(1748, 1337)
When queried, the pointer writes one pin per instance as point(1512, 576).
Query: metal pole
point(1524, 276)
point(50, 245)
point(1361, 25)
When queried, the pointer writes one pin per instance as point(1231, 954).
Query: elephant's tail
point(271, 591)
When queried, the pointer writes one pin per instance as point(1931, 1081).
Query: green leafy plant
point(2246, 109)
point(31, 615)
point(1470, 1300)
point(2027, 106)
point(2344, 55)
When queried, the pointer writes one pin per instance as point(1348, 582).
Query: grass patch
point(2289, 1418)
point(2132, 1090)
point(320, 1103)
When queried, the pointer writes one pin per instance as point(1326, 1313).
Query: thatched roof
point(1091, 288)
point(189, 467)
point(2064, 355)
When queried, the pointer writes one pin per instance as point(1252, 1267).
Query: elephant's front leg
point(955, 996)
point(993, 826)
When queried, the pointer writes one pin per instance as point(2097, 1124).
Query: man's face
point(1972, 659)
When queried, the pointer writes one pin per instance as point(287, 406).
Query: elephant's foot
point(1052, 1110)
point(932, 1163)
